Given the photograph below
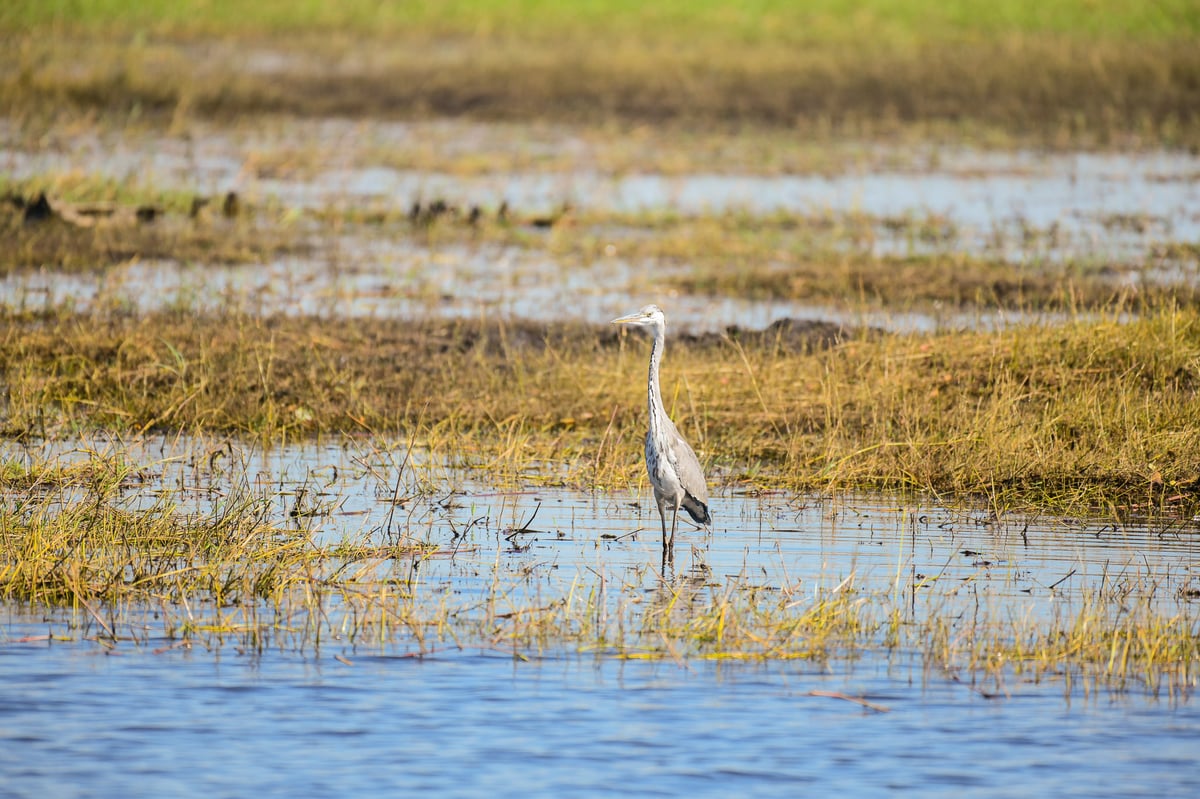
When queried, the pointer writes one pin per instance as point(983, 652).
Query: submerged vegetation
point(238, 571)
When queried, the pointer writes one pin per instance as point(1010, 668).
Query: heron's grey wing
point(691, 477)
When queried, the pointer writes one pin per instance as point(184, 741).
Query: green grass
point(885, 22)
point(1058, 73)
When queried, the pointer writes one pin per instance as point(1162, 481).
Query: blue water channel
point(75, 722)
point(148, 717)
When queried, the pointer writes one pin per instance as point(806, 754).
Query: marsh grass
point(822, 258)
point(1094, 414)
point(1084, 75)
point(237, 572)
point(106, 546)
point(851, 260)
point(1141, 640)
point(281, 146)
point(99, 473)
point(244, 576)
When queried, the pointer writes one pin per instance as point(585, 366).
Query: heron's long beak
point(625, 320)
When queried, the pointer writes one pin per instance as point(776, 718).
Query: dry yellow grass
point(1093, 413)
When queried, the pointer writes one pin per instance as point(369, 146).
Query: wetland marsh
point(858, 641)
point(320, 467)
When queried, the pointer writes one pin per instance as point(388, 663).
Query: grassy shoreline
point(1093, 414)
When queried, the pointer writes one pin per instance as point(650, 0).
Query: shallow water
point(77, 723)
point(978, 190)
point(344, 489)
point(411, 281)
point(77, 719)
point(1110, 210)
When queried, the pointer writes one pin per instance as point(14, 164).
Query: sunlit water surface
point(78, 719)
point(1111, 212)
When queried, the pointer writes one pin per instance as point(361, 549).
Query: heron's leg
point(674, 519)
point(668, 549)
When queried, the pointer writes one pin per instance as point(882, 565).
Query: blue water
point(394, 715)
point(75, 722)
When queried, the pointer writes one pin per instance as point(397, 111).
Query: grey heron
point(671, 463)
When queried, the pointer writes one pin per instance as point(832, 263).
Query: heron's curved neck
point(653, 392)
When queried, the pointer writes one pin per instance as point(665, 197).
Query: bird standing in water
point(671, 463)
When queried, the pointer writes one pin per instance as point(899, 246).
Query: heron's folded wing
point(687, 467)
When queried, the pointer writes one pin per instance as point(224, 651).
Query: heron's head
point(650, 316)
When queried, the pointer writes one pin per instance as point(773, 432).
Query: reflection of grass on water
point(243, 576)
point(1092, 414)
point(1079, 70)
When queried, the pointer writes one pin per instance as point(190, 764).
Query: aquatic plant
point(241, 572)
